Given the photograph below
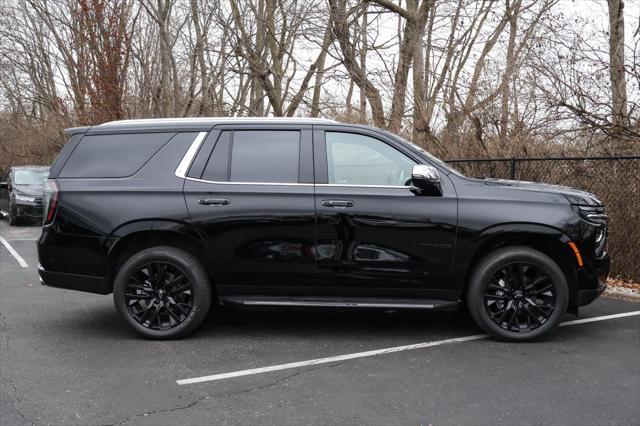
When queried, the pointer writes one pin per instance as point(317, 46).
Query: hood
point(29, 190)
point(575, 196)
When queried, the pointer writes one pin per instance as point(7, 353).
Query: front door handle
point(214, 201)
point(337, 203)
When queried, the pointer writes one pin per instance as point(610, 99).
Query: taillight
point(50, 200)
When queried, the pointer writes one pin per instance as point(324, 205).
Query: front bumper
point(592, 282)
point(28, 210)
point(588, 296)
point(85, 283)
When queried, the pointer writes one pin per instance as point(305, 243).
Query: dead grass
point(618, 288)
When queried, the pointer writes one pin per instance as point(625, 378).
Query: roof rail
point(214, 120)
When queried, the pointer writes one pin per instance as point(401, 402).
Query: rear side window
point(113, 156)
point(265, 156)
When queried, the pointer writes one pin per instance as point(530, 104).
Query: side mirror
point(4, 185)
point(426, 179)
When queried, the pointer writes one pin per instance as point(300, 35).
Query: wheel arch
point(546, 239)
point(137, 236)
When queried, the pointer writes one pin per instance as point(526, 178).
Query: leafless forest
point(463, 78)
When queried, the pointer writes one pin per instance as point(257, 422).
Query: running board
point(340, 302)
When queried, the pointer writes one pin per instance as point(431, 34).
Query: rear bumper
point(85, 283)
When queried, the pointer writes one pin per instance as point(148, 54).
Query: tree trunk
point(506, 87)
point(616, 67)
point(363, 61)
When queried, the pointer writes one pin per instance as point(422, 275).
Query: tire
point(11, 216)
point(510, 291)
point(165, 308)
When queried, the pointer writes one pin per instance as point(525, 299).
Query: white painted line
point(327, 360)
point(603, 318)
point(22, 239)
point(376, 352)
point(14, 253)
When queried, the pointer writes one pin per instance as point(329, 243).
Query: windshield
point(30, 176)
point(436, 160)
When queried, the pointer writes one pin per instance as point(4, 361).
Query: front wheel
point(162, 293)
point(12, 215)
point(517, 294)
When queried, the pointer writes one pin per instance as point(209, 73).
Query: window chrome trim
point(298, 184)
point(249, 183)
point(185, 163)
point(337, 185)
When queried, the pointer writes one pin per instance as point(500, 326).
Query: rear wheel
point(162, 293)
point(517, 294)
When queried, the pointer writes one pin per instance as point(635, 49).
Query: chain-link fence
point(615, 180)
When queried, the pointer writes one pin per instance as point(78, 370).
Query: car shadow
point(350, 323)
point(104, 322)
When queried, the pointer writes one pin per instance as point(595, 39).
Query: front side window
point(265, 156)
point(354, 159)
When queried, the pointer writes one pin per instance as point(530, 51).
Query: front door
point(375, 236)
point(251, 195)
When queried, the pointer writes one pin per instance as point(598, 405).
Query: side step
point(340, 302)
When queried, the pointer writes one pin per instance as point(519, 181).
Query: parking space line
point(602, 318)
point(376, 352)
point(21, 239)
point(14, 253)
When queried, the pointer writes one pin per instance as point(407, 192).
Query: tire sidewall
point(11, 215)
point(189, 266)
point(493, 262)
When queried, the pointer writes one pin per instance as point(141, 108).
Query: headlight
point(593, 214)
point(600, 240)
point(598, 217)
point(25, 198)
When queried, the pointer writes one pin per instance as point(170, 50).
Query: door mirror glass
point(4, 185)
point(426, 179)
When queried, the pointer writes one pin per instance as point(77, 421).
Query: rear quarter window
point(113, 156)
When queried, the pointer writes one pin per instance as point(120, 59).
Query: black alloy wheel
point(520, 297)
point(517, 294)
point(162, 292)
point(159, 296)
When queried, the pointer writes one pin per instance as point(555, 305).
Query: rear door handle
point(337, 203)
point(214, 201)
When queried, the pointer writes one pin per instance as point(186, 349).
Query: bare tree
point(617, 73)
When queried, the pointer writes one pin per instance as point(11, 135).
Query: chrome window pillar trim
point(185, 163)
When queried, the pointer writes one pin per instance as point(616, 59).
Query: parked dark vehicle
point(21, 193)
point(173, 214)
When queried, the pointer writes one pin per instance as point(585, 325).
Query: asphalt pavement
point(66, 358)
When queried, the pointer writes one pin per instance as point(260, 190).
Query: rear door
point(250, 193)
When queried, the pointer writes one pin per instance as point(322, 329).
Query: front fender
point(471, 248)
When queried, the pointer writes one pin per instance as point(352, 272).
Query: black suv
point(21, 193)
point(172, 214)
